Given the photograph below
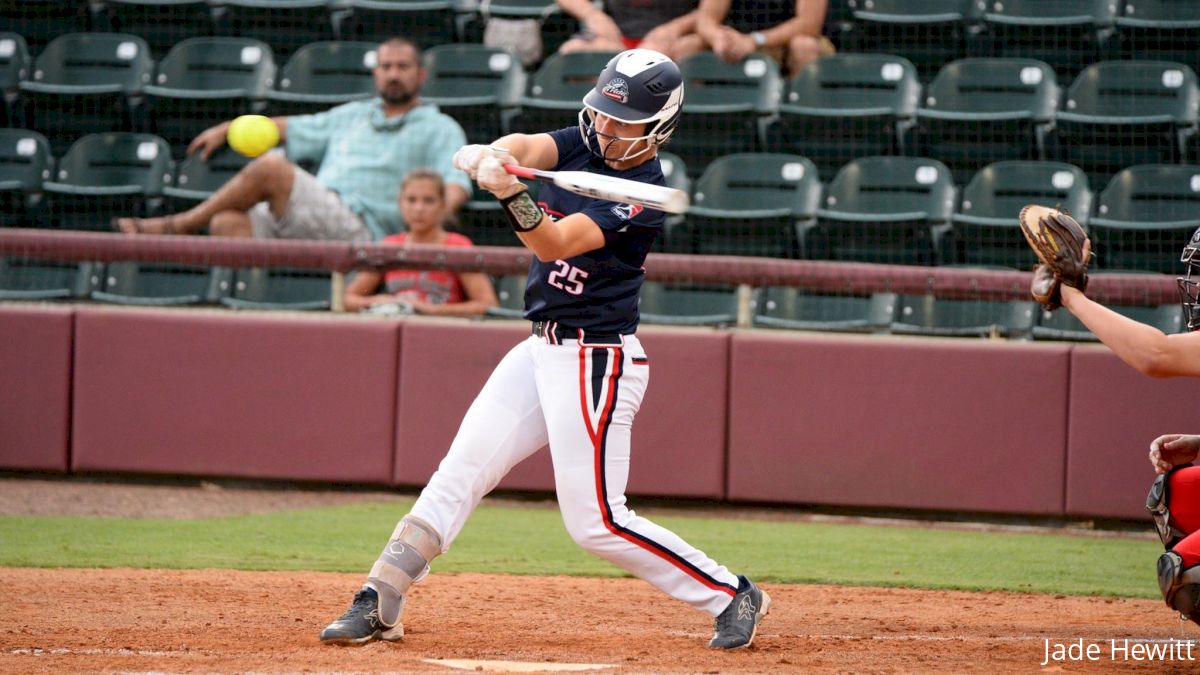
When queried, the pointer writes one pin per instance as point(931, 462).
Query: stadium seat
point(29, 279)
point(750, 204)
point(510, 291)
point(797, 309)
point(204, 81)
point(927, 315)
point(884, 210)
point(726, 107)
point(1163, 30)
point(161, 23)
point(846, 106)
point(40, 21)
point(25, 163)
point(104, 176)
point(1124, 113)
point(285, 25)
point(278, 288)
point(929, 33)
point(1067, 34)
point(688, 304)
point(1144, 217)
point(321, 75)
point(482, 221)
point(979, 111)
point(479, 86)
point(984, 229)
point(83, 83)
point(159, 284)
point(14, 67)
point(197, 179)
point(1062, 325)
point(556, 90)
point(427, 22)
point(675, 173)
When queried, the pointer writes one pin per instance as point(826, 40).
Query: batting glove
point(468, 157)
point(492, 177)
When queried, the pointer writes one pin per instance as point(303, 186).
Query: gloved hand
point(468, 157)
point(492, 177)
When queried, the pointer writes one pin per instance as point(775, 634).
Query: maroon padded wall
point(678, 436)
point(1115, 413)
point(894, 422)
point(35, 387)
point(230, 394)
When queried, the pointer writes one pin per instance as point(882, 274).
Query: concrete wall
point(801, 418)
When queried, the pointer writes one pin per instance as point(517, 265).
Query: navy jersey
point(598, 290)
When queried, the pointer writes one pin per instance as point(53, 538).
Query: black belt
point(554, 333)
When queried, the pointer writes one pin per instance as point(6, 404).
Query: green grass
point(500, 539)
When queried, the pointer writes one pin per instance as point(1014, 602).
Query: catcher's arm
point(1144, 347)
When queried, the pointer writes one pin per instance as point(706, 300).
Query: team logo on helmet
point(616, 89)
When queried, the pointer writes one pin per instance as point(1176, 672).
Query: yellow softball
point(252, 135)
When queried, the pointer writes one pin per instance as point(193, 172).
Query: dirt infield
point(221, 621)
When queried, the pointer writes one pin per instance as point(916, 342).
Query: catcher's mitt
point(1045, 288)
point(1063, 248)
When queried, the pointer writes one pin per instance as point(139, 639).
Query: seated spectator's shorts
point(313, 212)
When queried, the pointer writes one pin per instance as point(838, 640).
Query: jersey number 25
point(567, 278)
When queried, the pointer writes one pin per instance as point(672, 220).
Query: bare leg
point(231, 224)
point(268, 178)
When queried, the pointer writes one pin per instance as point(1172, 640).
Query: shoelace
point(360, 605)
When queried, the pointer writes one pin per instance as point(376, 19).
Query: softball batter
point(576, 383)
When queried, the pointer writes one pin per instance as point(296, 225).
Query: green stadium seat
point(1124, 113)
point(40, 21)
point(161, 23)
point(979, 111)
point(927, 315)
point(510, 291)
point(321, 75)
point(929, 33)
point(25, 163)
point(204, 81)
point(750, 204)
point(675, 173)
point(285, 25)
point(1067, 34)
point(197, 179)
point(846, 106)
point(688, 304)
point(1062, 325)
point(884, 210)
point(278, 288)
point(556, 91)
point(479, 86)
point(1162, 30)
point(29, 279)
point(984, 229)
point(427, 22)
point(797, 309)
point(726, 106)
point(14, 67)
point(83, 83)
point(1144, 217)
point(159, 284)
point(104, 176)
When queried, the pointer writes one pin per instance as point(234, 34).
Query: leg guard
point(1156, 502)
point(405, 559)
point(1180, 587)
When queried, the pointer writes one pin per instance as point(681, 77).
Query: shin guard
point(405, 559)
point(1180, 587)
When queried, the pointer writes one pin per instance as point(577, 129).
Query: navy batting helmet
point(637, 85)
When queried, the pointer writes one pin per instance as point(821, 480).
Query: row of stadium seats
point(161, 285)
point(1068, 34)
point(975, 112)
point(900, 210)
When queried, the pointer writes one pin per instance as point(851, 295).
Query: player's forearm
point(1143, 347)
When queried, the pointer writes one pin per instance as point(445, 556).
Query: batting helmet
point(1189, 286)
point(637, 85)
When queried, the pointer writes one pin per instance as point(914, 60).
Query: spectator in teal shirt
point(363, 150)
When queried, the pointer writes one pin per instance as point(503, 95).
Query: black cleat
point(360, 624)
point(735, 626)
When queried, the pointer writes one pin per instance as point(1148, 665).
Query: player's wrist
point(522, 213)
point(510, 190)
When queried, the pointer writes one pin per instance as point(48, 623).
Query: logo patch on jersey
point(617, 90)
point(626, 211)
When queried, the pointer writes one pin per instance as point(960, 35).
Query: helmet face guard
point(637, 86)
point(1189, 285)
